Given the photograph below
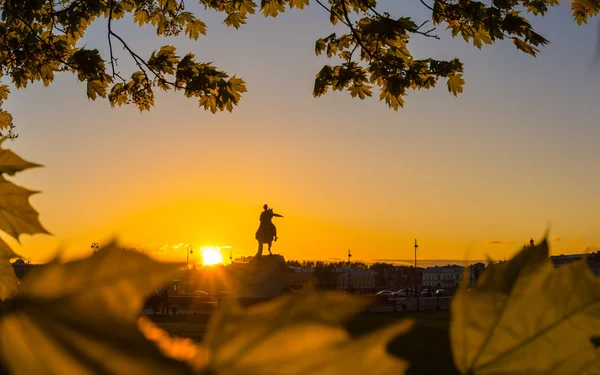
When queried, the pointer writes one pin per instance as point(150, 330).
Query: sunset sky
point(472, 176)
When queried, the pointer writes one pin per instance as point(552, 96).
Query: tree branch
point(35, 34)
point(112, 57)
point(426, 5)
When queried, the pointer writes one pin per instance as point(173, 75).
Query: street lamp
point(187, 263)
point(416, 291)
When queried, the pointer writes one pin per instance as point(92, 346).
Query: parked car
point(385, 295)
point(426, 293)
point(400, 293)
point(440, 293)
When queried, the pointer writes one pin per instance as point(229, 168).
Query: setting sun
point(211, 255)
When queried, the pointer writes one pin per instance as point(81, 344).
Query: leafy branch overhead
point(40, 38)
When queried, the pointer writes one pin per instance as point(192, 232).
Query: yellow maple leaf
point(16, 214)
point(527, 317)
point(81, 317)
point(300, 333)
point(11, 163)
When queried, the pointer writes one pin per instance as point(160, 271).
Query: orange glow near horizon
point(211, 255)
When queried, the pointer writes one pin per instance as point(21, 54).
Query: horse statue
point(267, 232)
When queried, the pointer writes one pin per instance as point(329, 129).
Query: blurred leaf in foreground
point(299, 333)
point(527, 317)
point(8, 280)
point(81, 317)
point(16, 214)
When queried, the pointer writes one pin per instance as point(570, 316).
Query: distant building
point(593, 260)
point(328, 278)
point(356, 280)
point(395, 278)
point(442, 277)
point(300, 276)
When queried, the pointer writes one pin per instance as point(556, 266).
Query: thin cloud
point(591, 249)
point(161, 249)
point(498, 242)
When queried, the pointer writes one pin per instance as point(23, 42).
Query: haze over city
point(469, 177)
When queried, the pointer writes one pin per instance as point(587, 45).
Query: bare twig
point(426, 5)
point(112, 57)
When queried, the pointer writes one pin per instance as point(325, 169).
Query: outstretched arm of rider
point(277, 215)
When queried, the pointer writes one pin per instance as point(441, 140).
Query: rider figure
point(266, 218)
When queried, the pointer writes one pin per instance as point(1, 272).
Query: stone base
point(264, 278)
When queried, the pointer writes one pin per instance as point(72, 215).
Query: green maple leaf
point(527, 317)
point(82, 317)
point(249, 341)
point(456, 83)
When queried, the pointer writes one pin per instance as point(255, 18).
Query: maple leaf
point(96, 88)
point(249, 340)
point(8, 280)
point(16, 214)
point(194, 28)
point(81, 317)
point(455, 84)
point(11, 163)
point(527, 317)
point(5, 119)
point(361, 91)
point(179, 348)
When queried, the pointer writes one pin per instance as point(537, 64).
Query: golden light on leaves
point(182, 349)
point(81, 317)
point(527, 317)
point(300, 333)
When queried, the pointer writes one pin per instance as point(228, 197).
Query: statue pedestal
point(264, 278)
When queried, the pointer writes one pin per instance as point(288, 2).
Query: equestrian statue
point(267, 232)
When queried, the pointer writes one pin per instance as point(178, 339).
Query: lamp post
point(349, 282)
point(187, 267)
point(416, 291)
